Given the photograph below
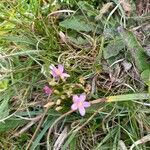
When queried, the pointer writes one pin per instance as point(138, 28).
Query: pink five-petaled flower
point(80, 103)
point(58, 72)
point(47, 90)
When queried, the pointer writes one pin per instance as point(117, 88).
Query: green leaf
point(128, 97)
point(4, 111)
point(89, 9)
point(108, 136)
point(19, 39)
point(73, 143)
point(145, 75)
point(69, 140)
point(48, 123)
point(135, 48)
point(78, 40)
point(77, 24)
point(113, 48)
point(3, 85)
point(11, 123)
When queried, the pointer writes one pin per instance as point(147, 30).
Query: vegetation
point(104, 49)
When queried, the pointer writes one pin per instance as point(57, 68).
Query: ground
point(74, 74)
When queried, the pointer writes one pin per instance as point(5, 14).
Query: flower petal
point(64, 75)
point(75, 98)
point(82, 97)
point(82, 111)
point(47, 90)
point(53, 70)
point(86, 104)
point(54, 74)
point(74, 107)
point(52, 67)
point(61, 68)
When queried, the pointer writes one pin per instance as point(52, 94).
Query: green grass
point(107, 63)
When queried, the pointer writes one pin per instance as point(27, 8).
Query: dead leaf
point(141, 141)
point(126, 65)
point(126, 6)
point(61, 139)
point(147, 49)
point(63, 37)
point(122, 145)
point(49, 104)
point(142, 7)
point(104, 10)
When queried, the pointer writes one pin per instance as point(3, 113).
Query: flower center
point(80, 104)
point(57, 71)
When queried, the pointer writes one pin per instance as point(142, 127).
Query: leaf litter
point(103, 48)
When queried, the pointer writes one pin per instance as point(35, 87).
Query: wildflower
point(59, 72)
point(47, 90)
point(80, 103)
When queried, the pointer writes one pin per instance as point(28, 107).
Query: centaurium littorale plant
point(58, 72)
point(80, 103)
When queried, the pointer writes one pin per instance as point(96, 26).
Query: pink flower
point(47, 90)
point(80, 103)
point(58, 72)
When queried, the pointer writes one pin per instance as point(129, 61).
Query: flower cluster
point(79, 101)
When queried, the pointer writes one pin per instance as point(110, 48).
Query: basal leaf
point(135, 48)
point(10, 124)
point(113, 48)
point(77, 24)
point(19, 39)
point(89, 9)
